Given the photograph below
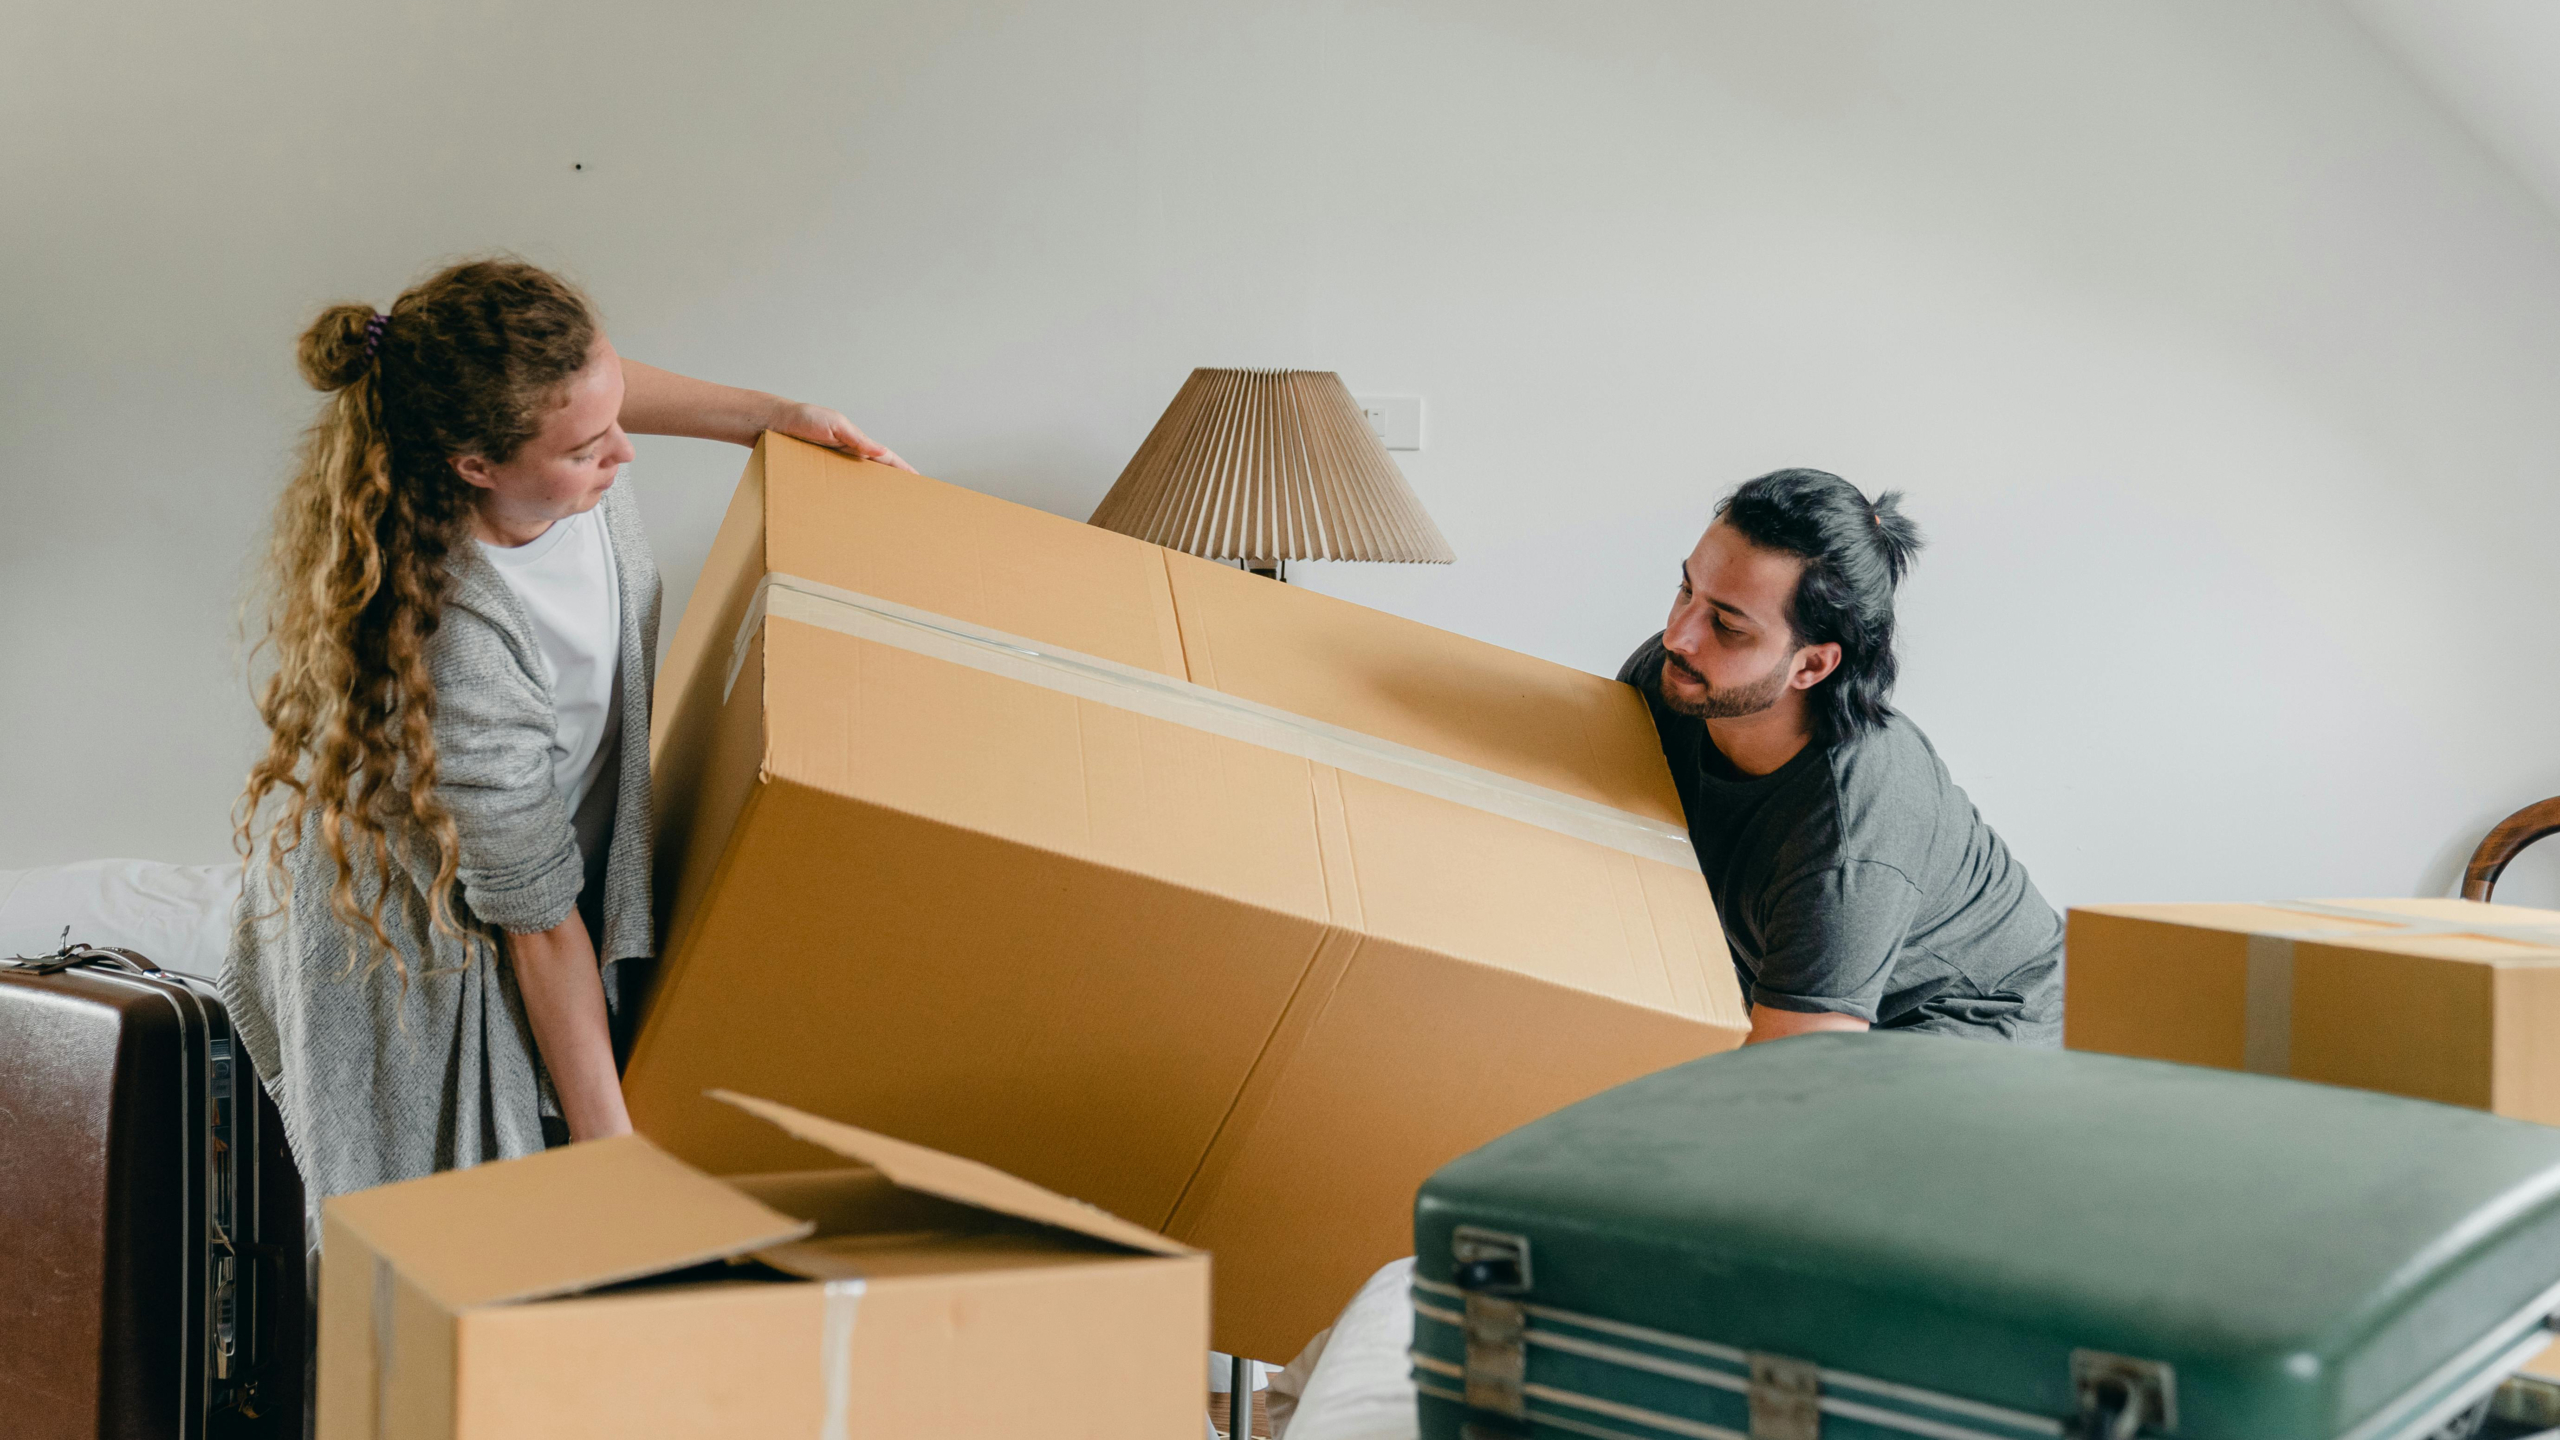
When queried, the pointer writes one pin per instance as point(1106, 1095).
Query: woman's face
point(568, 464)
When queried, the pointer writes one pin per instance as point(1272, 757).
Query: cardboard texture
point(1219, 904)
point(906, 1294)
point(2448, 1000)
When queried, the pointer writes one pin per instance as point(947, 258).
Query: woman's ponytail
point(338, 350)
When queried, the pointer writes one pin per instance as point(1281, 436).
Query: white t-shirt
point(568, 584)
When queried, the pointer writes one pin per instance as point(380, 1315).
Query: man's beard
point(1717, 704)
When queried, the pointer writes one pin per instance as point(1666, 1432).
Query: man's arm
point(661, 402)
point(1768, 1022)
point(1832, 938)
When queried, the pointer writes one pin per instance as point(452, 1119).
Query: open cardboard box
point(609, 1290)
point(1224, 905)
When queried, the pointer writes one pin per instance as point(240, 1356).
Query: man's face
point(1731, 650)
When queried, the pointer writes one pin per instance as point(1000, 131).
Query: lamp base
point(1273, 569)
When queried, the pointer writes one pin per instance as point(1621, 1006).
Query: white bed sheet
point(177, 916)
point(1354, 1382)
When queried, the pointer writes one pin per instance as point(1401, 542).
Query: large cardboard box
point(1214, 902)
point(2445, 1000)
point(581, 1294)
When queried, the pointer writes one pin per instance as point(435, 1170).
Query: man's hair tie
point(373, 329)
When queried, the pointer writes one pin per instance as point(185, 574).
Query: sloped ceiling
point(2494, 64)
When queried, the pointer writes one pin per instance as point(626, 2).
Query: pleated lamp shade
point(1268, 465)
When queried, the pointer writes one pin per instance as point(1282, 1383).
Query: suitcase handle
point(114, 957)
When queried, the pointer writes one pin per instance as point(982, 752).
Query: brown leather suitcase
point(151, 1257)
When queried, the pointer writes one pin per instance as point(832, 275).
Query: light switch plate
point(1395, 419)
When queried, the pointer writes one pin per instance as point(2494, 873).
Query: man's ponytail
point(1897, 537)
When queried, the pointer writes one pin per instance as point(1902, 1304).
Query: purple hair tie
point(373, 329)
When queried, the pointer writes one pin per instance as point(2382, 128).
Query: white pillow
point(1360, 1385)
point(176, 916)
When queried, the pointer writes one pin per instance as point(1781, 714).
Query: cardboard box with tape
point(2445, 1000)
point(608, 1291)
point(1215, 902)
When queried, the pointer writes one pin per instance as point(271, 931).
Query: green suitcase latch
point(1786, 1398)
point(2121, 1396)
point(1493, 1270)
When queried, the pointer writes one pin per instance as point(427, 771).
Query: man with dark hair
point(1857, 885)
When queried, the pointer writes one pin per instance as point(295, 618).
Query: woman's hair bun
point(333, 353)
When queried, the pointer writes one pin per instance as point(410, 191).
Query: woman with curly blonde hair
point(448, 836)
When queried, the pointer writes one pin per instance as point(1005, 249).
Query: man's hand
point(1768, 1022)
point(821, 426)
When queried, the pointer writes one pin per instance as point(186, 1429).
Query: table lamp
point(1265, 467)
point(1268, 466)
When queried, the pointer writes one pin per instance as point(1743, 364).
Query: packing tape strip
point(2266, 1046)
point(1162, 697)
point(835, 1355)
point(2267, 1035)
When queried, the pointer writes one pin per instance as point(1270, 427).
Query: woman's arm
point(661, 402)
point(564, 998)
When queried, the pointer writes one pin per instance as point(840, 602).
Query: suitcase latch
point(2120, 1396)
point(1786, 1398)
point(1493, 1270)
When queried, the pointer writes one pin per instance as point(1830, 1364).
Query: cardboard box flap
point(953, 551)
point(1407, 683)
point(2352, 922)
point(566, 1220)
point(824, 761)
point(914, 1167)
point(2466, 915)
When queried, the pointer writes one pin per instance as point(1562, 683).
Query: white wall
point(2218, 363)
point(2495, 64)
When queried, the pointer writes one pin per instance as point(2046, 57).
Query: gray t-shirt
point(1856, 879)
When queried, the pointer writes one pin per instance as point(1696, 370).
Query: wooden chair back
point(2504, 843)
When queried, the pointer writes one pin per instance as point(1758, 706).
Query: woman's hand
point(821, 426)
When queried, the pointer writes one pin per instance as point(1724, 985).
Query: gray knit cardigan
point(380, 1080)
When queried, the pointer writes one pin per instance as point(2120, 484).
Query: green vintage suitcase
point(1879, 1237)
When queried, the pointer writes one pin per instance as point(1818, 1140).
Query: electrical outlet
point(1395, 419)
